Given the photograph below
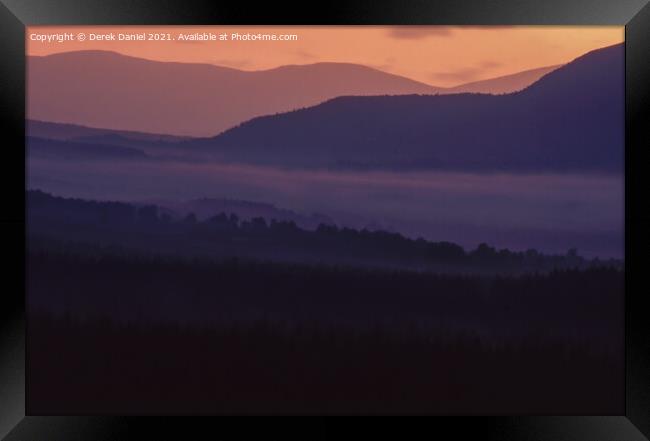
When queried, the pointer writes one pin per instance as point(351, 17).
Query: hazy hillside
point(571, 119)
point(505, 84)
point(148, 229)
point(198, 99)
point(70, 132)
point(53, 149)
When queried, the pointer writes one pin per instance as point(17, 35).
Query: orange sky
point(438, 55)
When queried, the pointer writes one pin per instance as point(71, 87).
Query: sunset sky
point(438, 55)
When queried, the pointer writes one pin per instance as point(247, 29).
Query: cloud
point(465, 74)
point(236, 64)
point(460, 75)
point(388, 64)
point(418, 32)
point(491, 64)
point(305, 55)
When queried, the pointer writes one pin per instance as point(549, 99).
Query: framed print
point(371, 209)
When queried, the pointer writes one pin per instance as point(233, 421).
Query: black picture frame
point(16, 14)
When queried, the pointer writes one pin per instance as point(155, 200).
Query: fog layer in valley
point(551, 212)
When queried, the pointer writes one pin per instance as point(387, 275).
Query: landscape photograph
point(325, 219)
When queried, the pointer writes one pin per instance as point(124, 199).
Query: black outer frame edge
point(12, 221)
point(360, 12)
point(637, 220)
point(474, 12)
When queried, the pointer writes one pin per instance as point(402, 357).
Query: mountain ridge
point(230, 96)
point(570, 119)
point(199, 99)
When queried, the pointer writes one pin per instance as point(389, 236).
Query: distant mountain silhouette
point(505, 84)
point(75, 132)
point(184, 98)
point(571, 119)
point(149, 144)
point(199, 99)
point(53, 149)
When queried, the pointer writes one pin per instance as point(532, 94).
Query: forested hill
point(134, 229)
